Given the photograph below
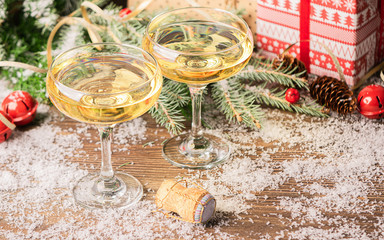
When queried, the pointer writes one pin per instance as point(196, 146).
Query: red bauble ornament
point(292, 95)
point(20, 106)
point(6, 126)
point(124, 12)
point(370, 101)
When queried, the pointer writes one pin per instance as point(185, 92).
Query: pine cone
point(289, 62)
point(333, 94)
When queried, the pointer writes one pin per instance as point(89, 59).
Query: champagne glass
point(198, 46)
point(104, 84)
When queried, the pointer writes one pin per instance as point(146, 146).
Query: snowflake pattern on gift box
point(337, 3)
point(325, 2)
point(361, 5)
point(350, 5)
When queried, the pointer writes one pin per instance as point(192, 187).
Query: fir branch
point(69, 37)
point(260, 69)
point(249, 115)
point(135, 29)
point(235, 99)
point(231, 104)
point(275, 98)
point(167, 115)
point(176, 92)
point(76, 6)
point(271, 76)
point(167, 111)
point(235, 105)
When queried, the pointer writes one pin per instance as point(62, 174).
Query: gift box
point(351, 29)
point(248, 5)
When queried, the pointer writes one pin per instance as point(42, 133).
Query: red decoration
point(5, 131)
point(20, 106)
point(370, 101)
point(354, 34)
point(124, 12)
point(292, 95)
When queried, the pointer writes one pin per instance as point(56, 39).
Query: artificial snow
point(8, 181)
point(335, 165)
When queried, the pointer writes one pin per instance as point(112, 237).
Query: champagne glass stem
point(196, 94)
point(106, 172)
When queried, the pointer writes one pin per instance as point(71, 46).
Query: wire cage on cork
point(193, 204)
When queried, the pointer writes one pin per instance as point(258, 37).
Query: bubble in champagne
point(199, 62)
point(107, 100)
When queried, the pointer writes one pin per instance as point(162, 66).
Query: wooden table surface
point(151, 169)
point(264, 218)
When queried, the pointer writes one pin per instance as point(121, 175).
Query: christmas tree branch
point(275, 98)
point(176, 92)
point(236, 106)
point(264, 75)
point(251, 116)
point(78, 10)
point(134, 29)
point(167, 116)
point(260, 69)
point(167, 111)
point(231, 105)
point(235, 98)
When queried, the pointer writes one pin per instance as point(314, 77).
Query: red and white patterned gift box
point(352, 29)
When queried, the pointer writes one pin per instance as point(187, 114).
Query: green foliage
point(267, 86)
point(168, 111)
point(176, 92)
point(34, 83)
point(24, 39)
point(236, 104)
point(261, 70)
point(21, 41)
point(276, 98)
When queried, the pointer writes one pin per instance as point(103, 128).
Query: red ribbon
point(304, 32)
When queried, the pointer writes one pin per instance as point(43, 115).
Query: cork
point(193, 204)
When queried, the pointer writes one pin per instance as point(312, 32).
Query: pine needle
point(275, 98)
point(236, 97)
point(235, 105)
point(260, 69)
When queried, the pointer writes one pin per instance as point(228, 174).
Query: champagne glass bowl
point(105, 84)
point(198, 46)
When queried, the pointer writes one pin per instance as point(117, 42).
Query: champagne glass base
point(128, 194)
point(180, 152)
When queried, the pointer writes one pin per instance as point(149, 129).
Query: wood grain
point(263, 218)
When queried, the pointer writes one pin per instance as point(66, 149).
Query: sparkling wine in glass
point(104, 84)
point(198, 46)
